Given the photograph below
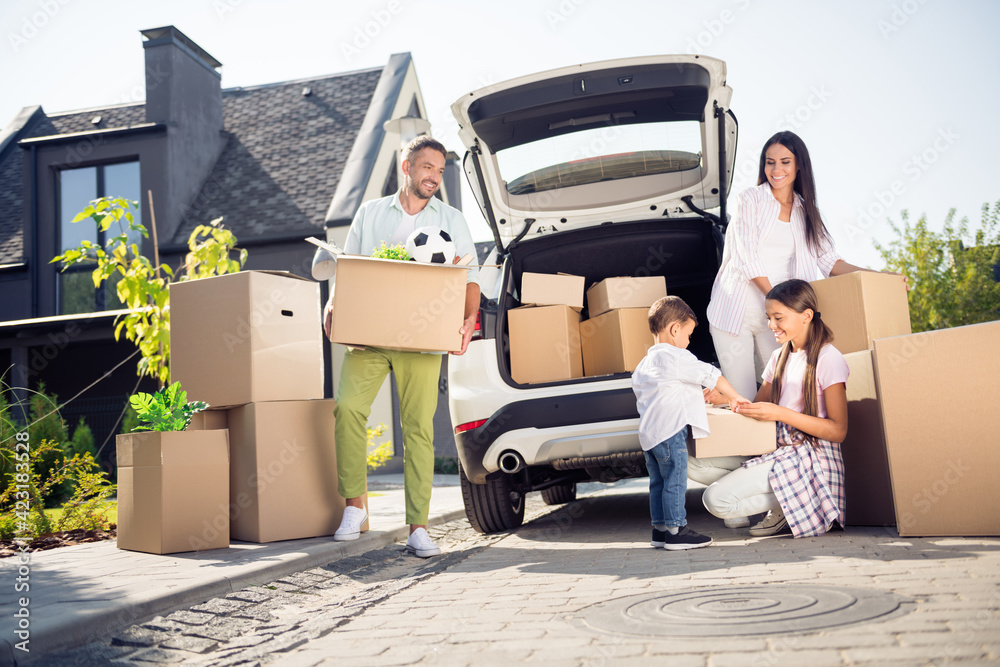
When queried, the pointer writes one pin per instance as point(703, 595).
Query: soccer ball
point(430, 245)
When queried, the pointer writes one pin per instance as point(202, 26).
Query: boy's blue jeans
point(667, 465)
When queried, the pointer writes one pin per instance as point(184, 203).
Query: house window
point(77, 188)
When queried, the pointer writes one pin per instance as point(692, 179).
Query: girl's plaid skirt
point(808, 481)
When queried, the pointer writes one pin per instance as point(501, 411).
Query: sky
point(896, 100)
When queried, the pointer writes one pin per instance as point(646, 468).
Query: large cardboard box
point(941, 428)
point(613, 293)
point(862, 306)
point(552, 289)
point(616, 341)
point(398, 305)
point(173, 491)
point(283, 471)
point(544, 344)
point(248, 336)
point(733, 434)
point(866, 465)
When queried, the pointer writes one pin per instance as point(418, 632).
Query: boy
point(667, 385)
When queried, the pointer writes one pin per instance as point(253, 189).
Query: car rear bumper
point(547, 428)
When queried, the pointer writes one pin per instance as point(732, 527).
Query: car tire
point(492, 507)
point(559, 494)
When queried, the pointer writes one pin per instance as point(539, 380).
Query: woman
point(779, 234)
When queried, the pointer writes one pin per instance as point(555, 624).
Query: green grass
point(110, 512)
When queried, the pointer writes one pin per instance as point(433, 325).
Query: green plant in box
point(391, 252)
point(166, 410)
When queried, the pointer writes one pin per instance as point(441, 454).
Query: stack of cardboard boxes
point(616, 335)
point(859, 308)
point(250, 345)
point(921, 450)
point(549, 343)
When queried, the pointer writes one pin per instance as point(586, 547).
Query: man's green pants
point(361, 376)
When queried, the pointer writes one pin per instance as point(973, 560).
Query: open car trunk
point(685, 251)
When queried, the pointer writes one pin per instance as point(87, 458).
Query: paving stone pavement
point(528, 597)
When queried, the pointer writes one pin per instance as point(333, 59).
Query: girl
point(801, 484)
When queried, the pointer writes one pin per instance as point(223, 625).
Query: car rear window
point(604, 153)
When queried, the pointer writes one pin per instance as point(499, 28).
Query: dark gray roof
point(276, 176)
point(83, 121)
point(11, 207)
point(284, 155)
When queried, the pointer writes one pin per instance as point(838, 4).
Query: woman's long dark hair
point(798, 295)
point(804, 185)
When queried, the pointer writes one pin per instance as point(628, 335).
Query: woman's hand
point(906, 280)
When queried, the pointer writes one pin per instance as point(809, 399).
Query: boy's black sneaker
point(685, 539)
point(657, 540)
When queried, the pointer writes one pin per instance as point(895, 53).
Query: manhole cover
point(739, 610)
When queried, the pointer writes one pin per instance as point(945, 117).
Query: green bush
point(53, 468)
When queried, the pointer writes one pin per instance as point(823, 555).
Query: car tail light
point(477, 333)
point(468, 426)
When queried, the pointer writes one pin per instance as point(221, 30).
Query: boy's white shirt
point(667, 385)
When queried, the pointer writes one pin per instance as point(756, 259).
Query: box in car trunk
point(545, 344)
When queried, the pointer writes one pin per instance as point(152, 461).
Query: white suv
point(599, 170)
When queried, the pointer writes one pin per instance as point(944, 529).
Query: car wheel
point(559, 494)
point(492, 507)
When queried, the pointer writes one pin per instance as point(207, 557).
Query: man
point(391, 220)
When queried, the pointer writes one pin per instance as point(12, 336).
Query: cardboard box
point(283, 472)
point(613, 293)
point(616, 341)
point(248, 336)
point(552, 289)
point(733, 434)
point(208, 420)
point(941, 426)
point(544, 344)
point(866, 465)
point(398, 305)
point(173, 491)
point(862, 306)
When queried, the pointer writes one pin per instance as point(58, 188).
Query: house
point(280, 162)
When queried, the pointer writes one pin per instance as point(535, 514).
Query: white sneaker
point(420, 544)
point(774, 522)
point(737, 522)
point(350, 524)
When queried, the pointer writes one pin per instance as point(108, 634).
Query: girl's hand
point(759, 411)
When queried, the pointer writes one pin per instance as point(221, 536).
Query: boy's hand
point(713, 396)
point(735, 403)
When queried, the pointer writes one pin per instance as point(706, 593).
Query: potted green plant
point(173, 484)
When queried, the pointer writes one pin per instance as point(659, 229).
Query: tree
point(143, 284)
point(954, 273)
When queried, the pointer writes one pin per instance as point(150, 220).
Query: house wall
point(52, 156)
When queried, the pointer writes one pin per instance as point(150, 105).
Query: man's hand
point(468, 327)
point(328, 317)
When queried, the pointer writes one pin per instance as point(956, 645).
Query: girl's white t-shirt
point(831, 368)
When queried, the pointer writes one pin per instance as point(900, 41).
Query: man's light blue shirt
point(377, 220)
